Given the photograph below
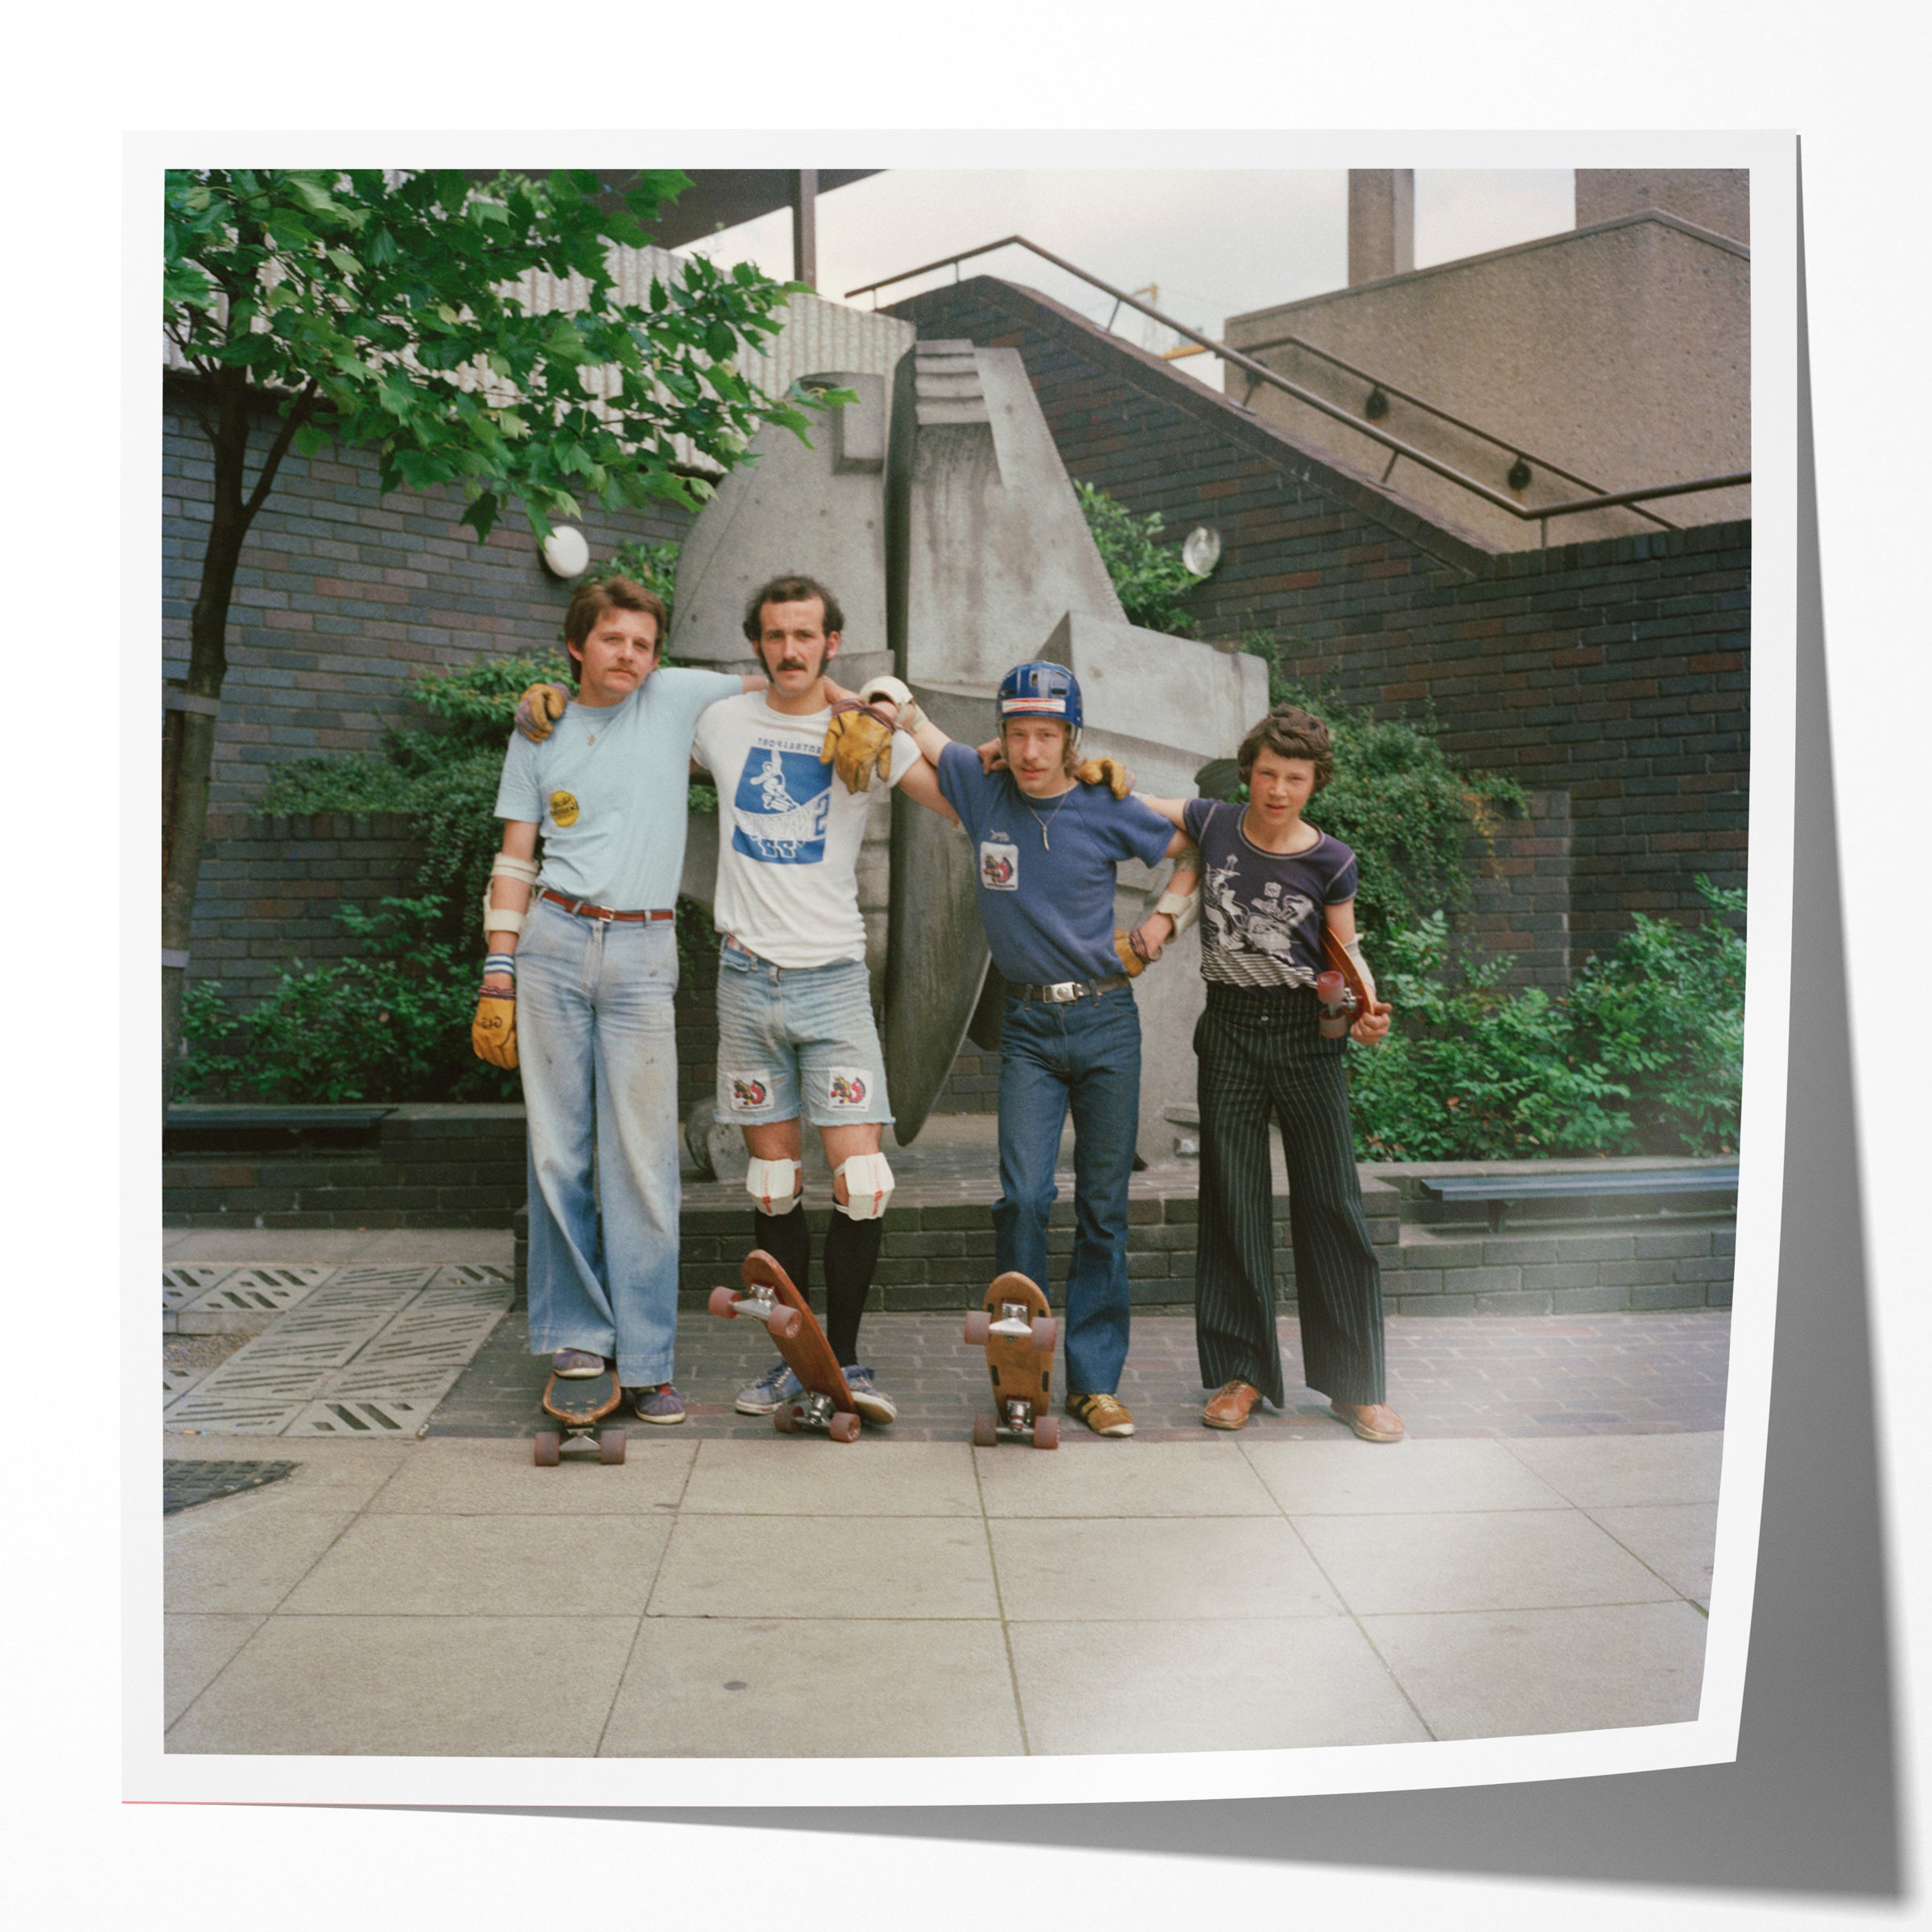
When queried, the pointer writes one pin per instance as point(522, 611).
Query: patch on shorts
point(750, 1092)
point(847, 1087)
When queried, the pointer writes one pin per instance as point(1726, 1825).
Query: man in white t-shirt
point(796, 1035)
point(577, 989)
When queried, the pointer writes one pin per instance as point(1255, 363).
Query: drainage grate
point(472, 1274)
point(191, 1279)
point(232, 1298)
point(383, 1277)
point(178, 1382)
point(274, 1274)
point(185, 1483)
point(370, 1416)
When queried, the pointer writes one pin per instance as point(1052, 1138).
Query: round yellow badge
point(563, 808)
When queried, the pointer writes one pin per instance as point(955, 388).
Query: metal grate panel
point(178, 1382)
point(275, 1274)
point(367, 1418)
point(472, 1274)
point(191, 1279)
point(232, 1299)
point(383, 1277)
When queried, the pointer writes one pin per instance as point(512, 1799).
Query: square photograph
point(954, 970)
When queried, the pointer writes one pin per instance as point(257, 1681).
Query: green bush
point(1148, 575)
point(389, 1022)
point(1644, 1055)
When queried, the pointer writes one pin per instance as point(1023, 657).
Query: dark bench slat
point(292, 1118)
point(1529, 1187)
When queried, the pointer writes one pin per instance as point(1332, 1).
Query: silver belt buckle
point(1064, 994)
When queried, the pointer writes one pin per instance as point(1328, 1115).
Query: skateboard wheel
point(1047, 1432)
point(1046, 1332)
point(610, 1446)
point(785, 1418)
point(724, 1302)
point(985, 1431)
point(979, 1325)
point(844, 1427)
point(785, 1322)
point(548, 1447)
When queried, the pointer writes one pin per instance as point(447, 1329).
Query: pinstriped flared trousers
point(1259, 1053)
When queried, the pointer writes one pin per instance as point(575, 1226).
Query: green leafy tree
point(1148, 575)
point(382, 309)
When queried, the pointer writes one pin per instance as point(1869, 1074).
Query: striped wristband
point(504, 963)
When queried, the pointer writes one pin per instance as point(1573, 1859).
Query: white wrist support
point(504, 919)
point(910, 716)
point(1183, 908)
point(774, 1185)
point(1353, 948)
point(868, 1186)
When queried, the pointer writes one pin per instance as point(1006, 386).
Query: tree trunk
point(188, 739)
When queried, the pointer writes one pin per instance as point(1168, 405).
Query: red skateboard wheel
point(785, 1418)
point(844, 1427)
point(610, 1446)
point(785, 1322)
point(1047, 1432)
point(978, 1326)
point(548, 1447)
point(1046, 1332)
point(985, 1432)
point(724, 1302)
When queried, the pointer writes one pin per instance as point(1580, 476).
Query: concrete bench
point(1497, 1192)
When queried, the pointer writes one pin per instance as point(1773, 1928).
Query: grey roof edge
point(1659, 216)
point(1403, 517)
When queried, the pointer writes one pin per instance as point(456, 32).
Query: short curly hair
point(1290, 732)
point(790, 589)
point(589, 601)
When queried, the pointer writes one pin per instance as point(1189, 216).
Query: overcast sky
point(1215, 243)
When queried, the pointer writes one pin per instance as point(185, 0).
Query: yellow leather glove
point(858, 742)
point(538, 710)
point(1109, 772)
point(493, 1033)
point(1132, 964)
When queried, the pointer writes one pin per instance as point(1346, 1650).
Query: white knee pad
point(868, 1186)
point(774, 1185)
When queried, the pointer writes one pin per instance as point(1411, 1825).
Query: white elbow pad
point(503, 918)
point(774, 1185)
point(1183, 908)
point(1354, 951)
point(894, 690)
point(868, 1186)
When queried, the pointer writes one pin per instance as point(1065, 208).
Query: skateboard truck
point(1337, 1001)
point(760, 1304)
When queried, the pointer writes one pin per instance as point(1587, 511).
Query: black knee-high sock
point(852, 1252)
point(787, 1239)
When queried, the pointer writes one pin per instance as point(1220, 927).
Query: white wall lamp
point(566, 554)
point(1201, 550)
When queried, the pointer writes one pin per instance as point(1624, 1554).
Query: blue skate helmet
point(1039, 689)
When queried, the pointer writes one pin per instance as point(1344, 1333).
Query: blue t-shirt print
point(784, 801)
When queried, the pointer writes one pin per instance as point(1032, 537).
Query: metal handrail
point(1262, 372)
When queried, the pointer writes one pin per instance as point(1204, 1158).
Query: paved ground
point(716, 1598)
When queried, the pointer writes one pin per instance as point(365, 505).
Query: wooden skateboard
point(1343, 997)
point(1017, 1334)
point(579, 1403)
point(770, 1298)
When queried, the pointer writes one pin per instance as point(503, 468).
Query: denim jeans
point(597, 1048)
point(1085, 1055)
point(797, 1039)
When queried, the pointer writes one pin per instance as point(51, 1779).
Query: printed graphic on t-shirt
point(563, 808)
point(1262, 928)
point(784, 800)
point(847, 1087)
point(999, 865)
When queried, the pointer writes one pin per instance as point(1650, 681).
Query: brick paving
point(1448, 1376)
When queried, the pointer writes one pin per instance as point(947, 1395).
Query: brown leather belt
point(1068, 991)
point(584, 909)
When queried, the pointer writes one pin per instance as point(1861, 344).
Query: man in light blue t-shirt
point(578, 987)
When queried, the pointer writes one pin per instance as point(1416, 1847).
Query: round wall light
point(1202, 551)
point(565, 552)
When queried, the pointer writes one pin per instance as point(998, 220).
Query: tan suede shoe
point(1229, 1405)
point(1373, 1422)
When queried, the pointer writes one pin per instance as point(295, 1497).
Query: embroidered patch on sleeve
point(847, 1087)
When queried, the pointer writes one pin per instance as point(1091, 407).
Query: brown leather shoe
point(1373, 1422)
point(1229, 1405)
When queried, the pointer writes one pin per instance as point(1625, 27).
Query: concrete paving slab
point(826, 1567)
point(193, 1649)
point(327, 1475)
point(1354, 1478)
point(1119, 1476)
point(1503, 1674)
point(1604, 1472)
point(464, 1476)
point(873, 1476)
point(1490, 1560)
point(1111, 1569)
point(481, 1566)
point(459, 1686)
point(1675, 1539)
point(799, 1687)
point(1227, 1685)
point(244, 1553)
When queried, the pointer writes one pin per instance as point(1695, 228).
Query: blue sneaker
point(573, 1364)
point(777, 1384)
point(868, 1398)
point(661, 1404)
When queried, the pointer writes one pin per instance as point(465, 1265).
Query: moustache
point(793, 664)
